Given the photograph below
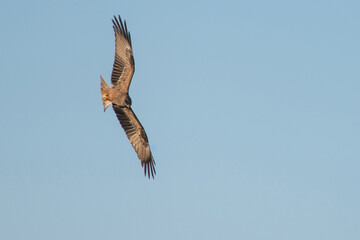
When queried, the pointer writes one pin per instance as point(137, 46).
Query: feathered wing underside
point(137, 137)
point(124, 65)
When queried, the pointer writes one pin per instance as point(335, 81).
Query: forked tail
point(105, 88)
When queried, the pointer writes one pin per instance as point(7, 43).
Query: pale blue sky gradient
point(251, 109)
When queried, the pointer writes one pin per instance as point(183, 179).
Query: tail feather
point(104, 93)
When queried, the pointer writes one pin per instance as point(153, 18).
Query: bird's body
point(118, 96)
point(114, 95)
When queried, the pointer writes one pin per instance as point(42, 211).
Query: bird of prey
point(118, 96)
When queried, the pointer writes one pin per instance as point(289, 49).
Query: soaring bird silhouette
point(118, 96)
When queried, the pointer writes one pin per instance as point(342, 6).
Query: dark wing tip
point(149, 167)
point(121, 28)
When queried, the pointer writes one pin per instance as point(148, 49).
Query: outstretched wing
point(137, 137)
point(124, 65)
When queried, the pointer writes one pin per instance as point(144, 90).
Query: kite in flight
point(118, 96)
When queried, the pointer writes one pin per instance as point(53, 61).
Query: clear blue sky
point(251, 109)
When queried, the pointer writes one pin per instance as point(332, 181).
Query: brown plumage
point(118, 96)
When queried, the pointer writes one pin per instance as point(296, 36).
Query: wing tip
point(149, 168)
point(121, 28)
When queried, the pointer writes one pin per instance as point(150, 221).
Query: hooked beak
point(106, 104)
